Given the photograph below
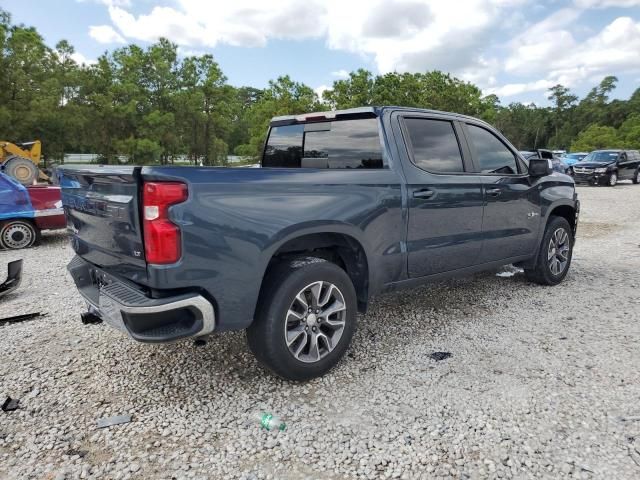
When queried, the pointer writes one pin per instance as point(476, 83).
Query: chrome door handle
point(423, 193)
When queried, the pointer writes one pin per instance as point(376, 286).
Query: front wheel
point(305, 319)
point(613, 179)
point(554, 257)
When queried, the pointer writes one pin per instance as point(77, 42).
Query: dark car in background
point(607, 167)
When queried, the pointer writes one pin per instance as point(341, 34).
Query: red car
point(26, 211)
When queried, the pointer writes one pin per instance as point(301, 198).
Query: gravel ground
point(543, 381)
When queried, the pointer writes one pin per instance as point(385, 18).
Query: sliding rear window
point(336, 144)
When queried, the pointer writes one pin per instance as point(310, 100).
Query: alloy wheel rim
point(613, 179)
point(17, 236)
point(558, 251)
point(315, 321)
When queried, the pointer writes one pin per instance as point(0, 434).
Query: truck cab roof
point(357, 112)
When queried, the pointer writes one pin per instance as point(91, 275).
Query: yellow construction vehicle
point(21, 161)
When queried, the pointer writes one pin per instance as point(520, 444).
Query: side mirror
point(540, 167)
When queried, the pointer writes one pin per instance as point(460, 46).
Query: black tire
point(612, 179)
point(17, 234)
point(266, 335)
point(22, 169)
point(636, 177)
point(541, 272)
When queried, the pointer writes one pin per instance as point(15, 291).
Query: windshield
point(601, 157)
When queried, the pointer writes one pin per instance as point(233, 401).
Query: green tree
point(245, 98)
point(151, 105)
point(526, 126)
point(436, 90)
point(629, 132)
point(355, 91)
point(563, 106)
point(282, 97)
point(596, 137)
point(594, 107)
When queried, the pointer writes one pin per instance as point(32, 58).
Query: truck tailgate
point(102, 209)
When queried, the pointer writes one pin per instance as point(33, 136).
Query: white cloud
point(468, 38)
point(423, 35)
point(320, 90)
point(534, 47)
point(511, 89)
point(341, 74)
point(119, 3)
point(81, 59)
point(403, 35)
point(607, 3)
point(247, 23)
point(105, 34)
point(549, 48)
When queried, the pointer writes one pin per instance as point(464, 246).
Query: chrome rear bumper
point(145, 319)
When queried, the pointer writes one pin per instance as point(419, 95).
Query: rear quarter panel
point(236, 219)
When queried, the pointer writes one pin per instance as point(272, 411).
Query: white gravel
point(543, 382)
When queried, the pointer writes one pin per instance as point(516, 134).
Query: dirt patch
point(596, 229)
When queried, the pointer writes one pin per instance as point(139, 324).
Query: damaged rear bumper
point(129, 309)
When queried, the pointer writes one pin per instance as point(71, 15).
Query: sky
point(516, 49)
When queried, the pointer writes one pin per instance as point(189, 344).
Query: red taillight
point(161, 235)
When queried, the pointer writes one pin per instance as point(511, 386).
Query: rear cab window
point(284, 148)
point(337, 144)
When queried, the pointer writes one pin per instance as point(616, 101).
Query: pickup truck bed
point(346, 189)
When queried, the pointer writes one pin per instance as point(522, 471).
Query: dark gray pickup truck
point(347, 204)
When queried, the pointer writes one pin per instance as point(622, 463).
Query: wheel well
point(566, 212)
point(343, 250)
point(21, 219)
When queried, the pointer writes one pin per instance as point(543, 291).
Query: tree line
point(153, 105)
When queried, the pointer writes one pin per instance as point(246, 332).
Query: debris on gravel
point(438, 356)
point(544, 381)
point(20, 318)
point(111, 421)
point(10, 404)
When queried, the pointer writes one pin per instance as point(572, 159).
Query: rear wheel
point(305, 319)
point(16, 234)
point(636, 177)
point(22, 169)
point(554, 257)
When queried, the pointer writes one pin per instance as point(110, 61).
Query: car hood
point(593, 164)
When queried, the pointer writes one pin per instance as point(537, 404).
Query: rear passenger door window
point(492, 156)
point(434, 145)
